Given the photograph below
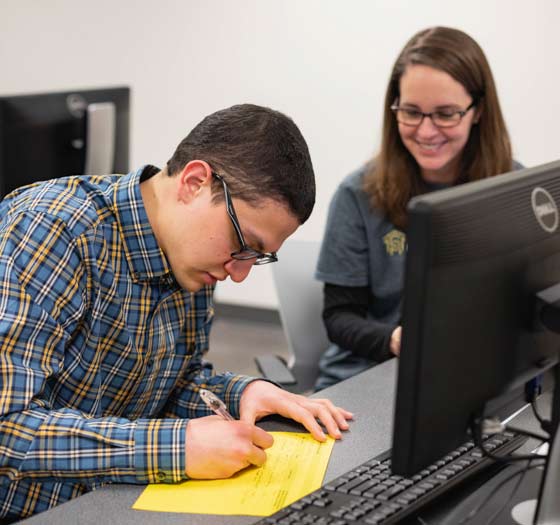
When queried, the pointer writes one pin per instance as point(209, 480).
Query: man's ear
point(192, 179)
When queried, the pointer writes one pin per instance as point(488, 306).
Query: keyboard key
point(418, 491)
point(374, 519)
point(347, 487)
point(299, 505)
point(427, 485)
point(371, 493)
point(322, 502)
point(391, 493)
point(409, 497)
point(360, 489)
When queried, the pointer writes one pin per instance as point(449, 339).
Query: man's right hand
point(218, 449)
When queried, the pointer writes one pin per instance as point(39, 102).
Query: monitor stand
point(515, 504)
point(481, 508)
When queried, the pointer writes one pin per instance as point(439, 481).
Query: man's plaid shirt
point(100, 349)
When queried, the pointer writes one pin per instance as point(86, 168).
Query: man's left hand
point(262, 398)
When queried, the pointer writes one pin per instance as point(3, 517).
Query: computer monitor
point(50, 135)
point(478, 256)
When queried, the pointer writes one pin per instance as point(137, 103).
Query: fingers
point(218, 449)
point(262, 398)
point(309, 421)
point(257, 441)
point(332, 417)
point(395, 343)
point(311, 412)
point(262, 438)
point(257, 456)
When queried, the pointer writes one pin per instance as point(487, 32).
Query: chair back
point(300, 299)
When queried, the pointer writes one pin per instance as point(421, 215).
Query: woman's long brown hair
point(394, 176)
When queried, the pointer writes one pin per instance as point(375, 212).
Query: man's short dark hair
point(258, 151)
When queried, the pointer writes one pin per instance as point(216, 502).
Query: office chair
point(300, 299)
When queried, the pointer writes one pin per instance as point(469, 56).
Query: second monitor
point(50, 135)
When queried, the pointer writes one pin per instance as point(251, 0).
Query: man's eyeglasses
point(441, 118)
point(245, 252)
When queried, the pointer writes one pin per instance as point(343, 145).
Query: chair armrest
point(274, 368)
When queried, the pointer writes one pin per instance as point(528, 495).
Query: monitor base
point(519, 509)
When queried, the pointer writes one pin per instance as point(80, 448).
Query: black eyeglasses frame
point(245, 252)
point(395, 108)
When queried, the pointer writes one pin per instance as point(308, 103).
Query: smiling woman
point(436, 148)
point(442, 126)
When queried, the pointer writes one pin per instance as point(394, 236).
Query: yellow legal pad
point(295, 466)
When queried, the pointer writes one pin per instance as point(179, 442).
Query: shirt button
point(161, 476)
point(150, 363)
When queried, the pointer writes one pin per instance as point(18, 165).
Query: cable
point(533, 390)
point(492, 518)
point(533, 460)
point(546, 424)
point(536, 412)
point(528, 433)
point(477, 438)
point(485, 501)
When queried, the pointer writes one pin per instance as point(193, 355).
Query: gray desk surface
point(369, 396)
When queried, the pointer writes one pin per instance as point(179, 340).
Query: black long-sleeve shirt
point(348, 325)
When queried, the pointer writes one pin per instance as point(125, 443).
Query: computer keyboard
point(370, 494)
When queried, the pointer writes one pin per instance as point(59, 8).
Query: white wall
point(323, 62)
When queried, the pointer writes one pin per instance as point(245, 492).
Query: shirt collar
point(145, 258)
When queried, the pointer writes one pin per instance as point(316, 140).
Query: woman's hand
point(395, 344)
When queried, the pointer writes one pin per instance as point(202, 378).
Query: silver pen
point(214, 403)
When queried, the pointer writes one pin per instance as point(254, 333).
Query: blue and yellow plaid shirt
point(101, 351)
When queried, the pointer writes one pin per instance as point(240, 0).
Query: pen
point(214, 403)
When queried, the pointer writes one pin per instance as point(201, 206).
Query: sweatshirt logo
point(395, 242)
point(545, 209)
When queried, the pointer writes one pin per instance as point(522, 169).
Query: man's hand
point(261, 398)
point(218, 449)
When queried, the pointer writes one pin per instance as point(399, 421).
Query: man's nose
point(239, 270)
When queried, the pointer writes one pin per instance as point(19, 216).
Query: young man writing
point(106, 304)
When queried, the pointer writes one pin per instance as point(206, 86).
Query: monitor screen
point(50, 135)
point(477, 256)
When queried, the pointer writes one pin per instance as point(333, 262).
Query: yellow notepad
point(295, 466)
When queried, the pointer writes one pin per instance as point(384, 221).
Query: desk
point(369, 395)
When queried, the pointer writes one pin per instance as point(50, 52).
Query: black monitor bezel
point(52, 110)
point(418, 442)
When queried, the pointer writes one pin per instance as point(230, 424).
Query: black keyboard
point(370, 494)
